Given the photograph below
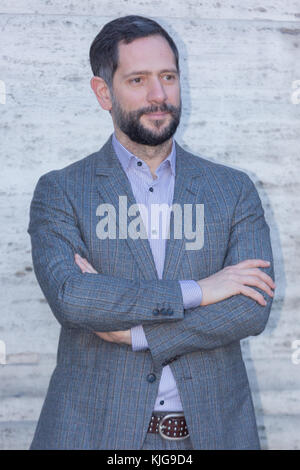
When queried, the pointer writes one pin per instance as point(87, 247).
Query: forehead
point(153, 52)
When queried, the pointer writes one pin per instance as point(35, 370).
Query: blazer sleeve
point(235, 318)
point(95, 302)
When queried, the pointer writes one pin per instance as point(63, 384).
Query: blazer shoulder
point(219, 171)
point(71, 171)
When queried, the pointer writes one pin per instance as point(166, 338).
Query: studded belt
point(171, 426)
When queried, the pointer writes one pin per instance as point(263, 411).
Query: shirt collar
point(127, 158)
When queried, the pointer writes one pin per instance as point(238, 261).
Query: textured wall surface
point(239, 62)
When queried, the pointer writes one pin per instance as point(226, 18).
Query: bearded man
point(149, 352)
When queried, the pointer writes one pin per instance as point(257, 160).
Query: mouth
point(157, 115)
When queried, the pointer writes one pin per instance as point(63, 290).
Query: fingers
point(256, 281)
point(264, 276)
point(103, 335)
point(84, 265)
point(247, 273)
point(81, 263)
point(113, 336)
point(251, 267)
point(253, 294)
point(253, 263)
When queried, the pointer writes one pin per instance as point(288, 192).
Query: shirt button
point(161, 402)
point(151, 378)
point(151, 189)
point(139, 163)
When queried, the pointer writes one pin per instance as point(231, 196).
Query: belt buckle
point(161, 427)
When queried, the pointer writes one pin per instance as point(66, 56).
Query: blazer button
point(155, 311)
point(151, 378)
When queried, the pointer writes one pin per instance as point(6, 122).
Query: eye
point(134, 80)
point(171, 77)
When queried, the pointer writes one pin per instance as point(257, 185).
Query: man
point(150, 327)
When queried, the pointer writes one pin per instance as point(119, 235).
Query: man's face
point(146, 82)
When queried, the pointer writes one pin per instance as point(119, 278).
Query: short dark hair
point(104, 52)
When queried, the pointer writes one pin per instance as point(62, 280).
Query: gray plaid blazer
point(101, 394)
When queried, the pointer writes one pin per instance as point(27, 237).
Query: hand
point(120, 337)
point(84, 265)
point(234, 280)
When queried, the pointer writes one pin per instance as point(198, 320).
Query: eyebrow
point(146, 72)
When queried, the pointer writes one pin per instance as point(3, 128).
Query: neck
point(152, 155)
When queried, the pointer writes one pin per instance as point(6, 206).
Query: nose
point(156, 92)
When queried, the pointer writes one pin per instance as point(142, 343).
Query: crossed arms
point(102, 303)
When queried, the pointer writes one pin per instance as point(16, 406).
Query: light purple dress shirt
point(147, 191)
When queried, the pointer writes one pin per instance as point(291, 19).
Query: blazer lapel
point(113, 182)
point(188, 189)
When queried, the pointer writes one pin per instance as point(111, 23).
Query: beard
point(129, 123)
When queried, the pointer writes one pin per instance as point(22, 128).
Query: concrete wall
point(240, 62)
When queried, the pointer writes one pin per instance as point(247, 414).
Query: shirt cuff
point(138, 338)
point(191, 294)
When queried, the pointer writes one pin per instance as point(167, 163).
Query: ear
point(102, 92)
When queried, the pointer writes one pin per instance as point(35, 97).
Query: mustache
point(157, 109)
